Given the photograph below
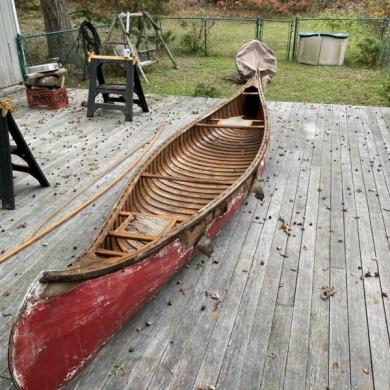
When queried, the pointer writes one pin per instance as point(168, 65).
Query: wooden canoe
point(177, 202)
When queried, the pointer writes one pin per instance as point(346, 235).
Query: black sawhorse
point(9, 127)
point(124, 92)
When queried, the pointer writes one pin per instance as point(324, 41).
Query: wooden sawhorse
point(124, 92)
point(9, 127)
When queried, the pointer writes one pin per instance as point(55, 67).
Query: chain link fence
point(222, 37)
point(277, 33)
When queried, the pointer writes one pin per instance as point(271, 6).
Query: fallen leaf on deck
point(366, 371)
point(212, 295)
point(335, 365)
point(327, 293)
point(272, 355)
point(285, 227)
point(183, 291)
point(118, 369)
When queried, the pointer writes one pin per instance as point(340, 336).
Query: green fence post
point(261, 27)
point(385, 25)
point(290, 30)
point(258, 28)
point(205, 36)
point(21, 54)
point(296, 30)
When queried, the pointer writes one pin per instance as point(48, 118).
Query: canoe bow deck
point(178, 200)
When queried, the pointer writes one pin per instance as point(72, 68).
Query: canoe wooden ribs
point(179, 200)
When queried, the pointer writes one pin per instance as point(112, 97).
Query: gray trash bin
point(309, 45)
point(333, 47)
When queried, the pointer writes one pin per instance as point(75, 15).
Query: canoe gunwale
point(84, 272)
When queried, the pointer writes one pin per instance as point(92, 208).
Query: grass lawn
point(294, 82)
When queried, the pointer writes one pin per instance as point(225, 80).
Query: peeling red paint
point(218, 223)
point(58, 336)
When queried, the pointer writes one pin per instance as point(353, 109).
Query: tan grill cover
point(256, 56)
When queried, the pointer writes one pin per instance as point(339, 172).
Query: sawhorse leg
point(92, 89)
point(6, 174)
point(128, 96)
point(23, 151)
point(140, 92)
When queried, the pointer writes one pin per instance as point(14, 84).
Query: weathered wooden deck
point(328, 176)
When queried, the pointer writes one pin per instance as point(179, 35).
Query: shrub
point(27, 4)
point(369, 50)
point(190, 42)
point(206, 90)
point(386, 88)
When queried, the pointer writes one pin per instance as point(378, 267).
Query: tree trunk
point(56, 18)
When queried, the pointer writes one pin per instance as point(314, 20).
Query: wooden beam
point(107, 252)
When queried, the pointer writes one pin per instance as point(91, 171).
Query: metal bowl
point(43, 68)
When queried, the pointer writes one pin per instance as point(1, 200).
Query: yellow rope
point(42, 233)
point(7, 105)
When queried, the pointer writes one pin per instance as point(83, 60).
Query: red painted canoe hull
point(58, 336)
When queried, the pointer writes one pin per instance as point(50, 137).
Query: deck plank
point(378, 333)
point(339, 365)
point(318, 348)
point(328, 176)
point(360, 354)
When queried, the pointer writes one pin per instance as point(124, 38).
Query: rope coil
point(7, 106)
